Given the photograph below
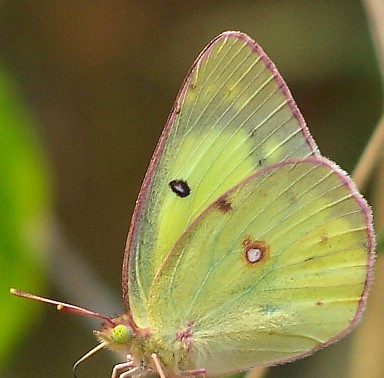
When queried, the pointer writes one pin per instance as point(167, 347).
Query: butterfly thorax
point(171, 349)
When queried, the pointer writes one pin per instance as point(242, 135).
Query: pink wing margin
point(170, 122)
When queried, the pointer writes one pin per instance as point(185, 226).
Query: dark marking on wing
point(254, 251)
point(180, 188)
point(223, 204)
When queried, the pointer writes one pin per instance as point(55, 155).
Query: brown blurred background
point(100, 77)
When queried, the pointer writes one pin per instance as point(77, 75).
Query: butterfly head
point(116, 333)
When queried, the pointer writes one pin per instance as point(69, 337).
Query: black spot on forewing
point(180, 188)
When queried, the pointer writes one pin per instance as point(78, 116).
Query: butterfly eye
point(180, 188)
point(121, 334)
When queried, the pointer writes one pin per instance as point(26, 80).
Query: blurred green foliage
point(24, 204)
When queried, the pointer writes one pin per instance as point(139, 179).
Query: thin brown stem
point(370, 156)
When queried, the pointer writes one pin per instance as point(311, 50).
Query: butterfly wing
point(275, 268)
point(233, 115)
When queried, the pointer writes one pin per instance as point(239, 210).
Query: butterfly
point(247, 247)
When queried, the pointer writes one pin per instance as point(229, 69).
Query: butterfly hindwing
point(277, 267)
point(234, 115)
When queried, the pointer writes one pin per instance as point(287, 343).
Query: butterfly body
point(171, 347)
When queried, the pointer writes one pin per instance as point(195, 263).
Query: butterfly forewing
point(233, 116)
point(279, 271)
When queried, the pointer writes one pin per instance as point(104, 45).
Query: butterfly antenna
point(60, 306)
point(87, 355)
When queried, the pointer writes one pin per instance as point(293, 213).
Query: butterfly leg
point(124, 365)
point(159, 368)
point(130, 373)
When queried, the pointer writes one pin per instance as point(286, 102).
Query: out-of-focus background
point(85, 89)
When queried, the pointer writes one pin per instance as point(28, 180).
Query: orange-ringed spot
point(254, 251)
